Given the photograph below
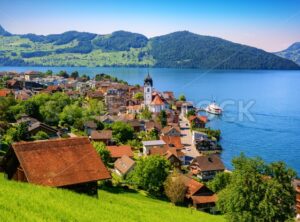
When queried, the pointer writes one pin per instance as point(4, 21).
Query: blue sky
point(268, 24)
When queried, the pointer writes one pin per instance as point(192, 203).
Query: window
point(148, 90)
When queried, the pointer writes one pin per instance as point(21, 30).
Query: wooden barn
point(70, 163)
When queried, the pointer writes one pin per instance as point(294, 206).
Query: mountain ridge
point(292, 53)
point(181, 49)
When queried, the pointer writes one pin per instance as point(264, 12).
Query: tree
point(50, 112)
point(100, 125)
point(103, 152)
point(175, 188)
point(162, 117)
point(258, 191)
point(146, 136)
point(5, 108)
point(146, 114)
point(48, 73)
point(75, 75)
point(95, 107)
point(17, 133)
point(182, 98)
point(191, 113)
point(220, 181)
point(85, 77)
point(122, 132)
point(32, 109)
point(138, 96)
point(70, 114)
point(150, 174)
point(40, 135)
point(135, 143)
point(63, 73)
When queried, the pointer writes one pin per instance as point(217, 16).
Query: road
point(186, 138)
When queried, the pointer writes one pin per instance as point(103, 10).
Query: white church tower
point(148, 84)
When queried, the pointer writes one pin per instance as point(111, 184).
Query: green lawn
point(24, 202)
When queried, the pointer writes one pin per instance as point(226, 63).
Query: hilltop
point(181, 49)
point(291, 53)
point(26, 202)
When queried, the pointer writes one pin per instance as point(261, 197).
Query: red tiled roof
point(192, 185)
point(11, 82)
point(205, 199)
point(101, 135)
point(173, 152)
point(201, 118)
point(119, 151)
point(124, 164)
point(95, 94)
point(4, 92)
point(53, 88)
point(158, 151)
point(208, 163)
point(60, 162)
point(126, 116)
point(167, 129)
point(157, 101)
point(172, 141)
point(150, 125)
point(165, 151)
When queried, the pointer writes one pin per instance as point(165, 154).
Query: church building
point(153, 100)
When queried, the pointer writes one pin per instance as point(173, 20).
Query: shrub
point(175, 188)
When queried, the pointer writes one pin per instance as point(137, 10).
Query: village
point(101, 131)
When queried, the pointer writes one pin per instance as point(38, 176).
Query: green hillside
point(25, 202)
point(291, 53)
point(121, 48)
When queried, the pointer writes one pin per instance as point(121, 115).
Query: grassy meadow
point(25, 202)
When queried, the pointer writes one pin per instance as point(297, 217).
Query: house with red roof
point(119, 151)
point(201, 197)
point(124, 165)
point(157, 104)
point(104, 136)
point(207, 166)
point(198, 121)
point(173, 130)
point(70, 163)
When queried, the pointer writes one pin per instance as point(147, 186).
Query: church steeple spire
point(148, 80)
point(148, 84)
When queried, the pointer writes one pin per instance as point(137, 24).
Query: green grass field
point(25, 202)
point(97, 57)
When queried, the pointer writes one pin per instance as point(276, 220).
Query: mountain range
point(291, 53)
point(180, 49)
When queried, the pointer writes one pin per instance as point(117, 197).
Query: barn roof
point(60, 162)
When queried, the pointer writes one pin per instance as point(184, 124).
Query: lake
point(262, 115)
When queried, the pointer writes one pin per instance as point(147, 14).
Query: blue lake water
point(271, 128)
